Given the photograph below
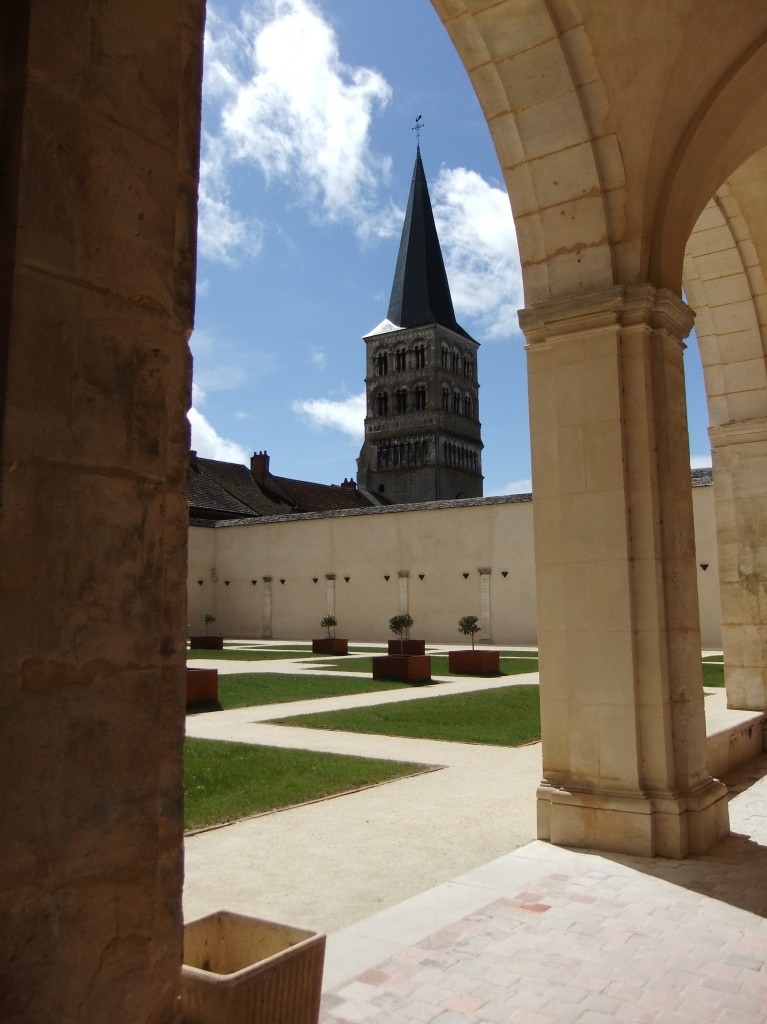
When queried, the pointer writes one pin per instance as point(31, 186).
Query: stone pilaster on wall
point(624, 747)
point(266, 618)
point(739, 454)
point(485, 609)
point(330, 594)
point(403, 577)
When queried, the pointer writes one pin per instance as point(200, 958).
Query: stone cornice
point(660, 309)
point(737, 432)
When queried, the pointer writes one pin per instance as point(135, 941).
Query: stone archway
point(612, 140)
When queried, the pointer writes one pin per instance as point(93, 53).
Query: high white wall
point(436, 542)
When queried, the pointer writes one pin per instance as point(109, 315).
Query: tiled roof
point(311, 497)
point(238, 481)
point(208, 500)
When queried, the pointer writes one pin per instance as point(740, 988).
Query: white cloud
point(284, 101)
point(476, 231)
point(319, 358)
point(523, 486)
point(210, 445)
point(347, 415)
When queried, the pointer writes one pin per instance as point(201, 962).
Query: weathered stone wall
point(98, 163)
point(441, 543)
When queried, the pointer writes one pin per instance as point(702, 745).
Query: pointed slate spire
point(420, 293)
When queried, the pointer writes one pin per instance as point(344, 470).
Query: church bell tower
point(422, 430)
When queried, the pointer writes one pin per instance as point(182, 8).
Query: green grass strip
point(235, 654)
point(505, 717)
point(228, 781)
point(511, 665)
point(713, 675)
point(248, 689)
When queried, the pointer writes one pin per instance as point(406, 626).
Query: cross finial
point(417, 129)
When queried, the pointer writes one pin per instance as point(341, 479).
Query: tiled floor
point(548, 936)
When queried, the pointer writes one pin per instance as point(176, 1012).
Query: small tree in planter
point(207, 642)
point(473, 662)
point(469, 625)
point(329, 644)
point(406, 666)
point(400, 625)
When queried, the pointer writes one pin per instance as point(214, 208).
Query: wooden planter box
point(407, 647)
point(474, 663)
point(330, 645)
point(413, 668)
point(207, 643)
point(249, 971)
point(201, 685)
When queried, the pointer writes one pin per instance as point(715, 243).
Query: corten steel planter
point(207, 643)
point(201, 685)
point(412, 668)
point(330, 645)
point(407, 647)
point(474, 663)
point(250, 971)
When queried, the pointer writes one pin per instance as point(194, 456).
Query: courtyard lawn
point(512, 663)
point(246, 689)
point(250, 654)
point(228, 781)
point(506, 717)
point(713, 674)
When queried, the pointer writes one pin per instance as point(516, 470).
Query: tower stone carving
point(422, 430)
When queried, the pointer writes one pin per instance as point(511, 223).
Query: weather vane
point(417, 129)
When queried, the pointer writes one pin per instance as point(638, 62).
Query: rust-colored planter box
point(249, 971)
point(207, 643)
point(474, 663)
point(410, 668)
point(407, 647)
point(201, 685)
point(330, 645)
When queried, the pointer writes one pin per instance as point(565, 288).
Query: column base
point(646, 825)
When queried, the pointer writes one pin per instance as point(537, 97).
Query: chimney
point(193, 458)
point(350, 484)
point(259, 466)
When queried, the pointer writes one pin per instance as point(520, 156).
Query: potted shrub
point(330, 644)
point(473, 662)
point(207, 642)
point(244, 969)
point(399, 664)
point(400, 624)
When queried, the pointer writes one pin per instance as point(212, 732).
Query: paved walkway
point(469, 933)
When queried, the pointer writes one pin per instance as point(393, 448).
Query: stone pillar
point(330, 593)
point(266, 630)
point(404, 601)
point(485, 616)
point(100, 108)
point(624, 738)
point(739, 454)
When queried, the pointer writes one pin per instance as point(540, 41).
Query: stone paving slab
point(546, 935)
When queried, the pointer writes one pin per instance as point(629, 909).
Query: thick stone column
point(739, 454)
point(99, 107)
point(624, 743)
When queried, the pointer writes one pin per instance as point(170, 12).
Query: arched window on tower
point(382, 403)
point(457, 402)
point(468, 406)
point(445, 356)
point(382, 364)
point(419, 396)
point(456, 362)
point(400, 360)
point(445, 396)
point(468, 368)
point(400, 400)
point(420, 356)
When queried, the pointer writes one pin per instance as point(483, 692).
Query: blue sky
point(306, 163)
